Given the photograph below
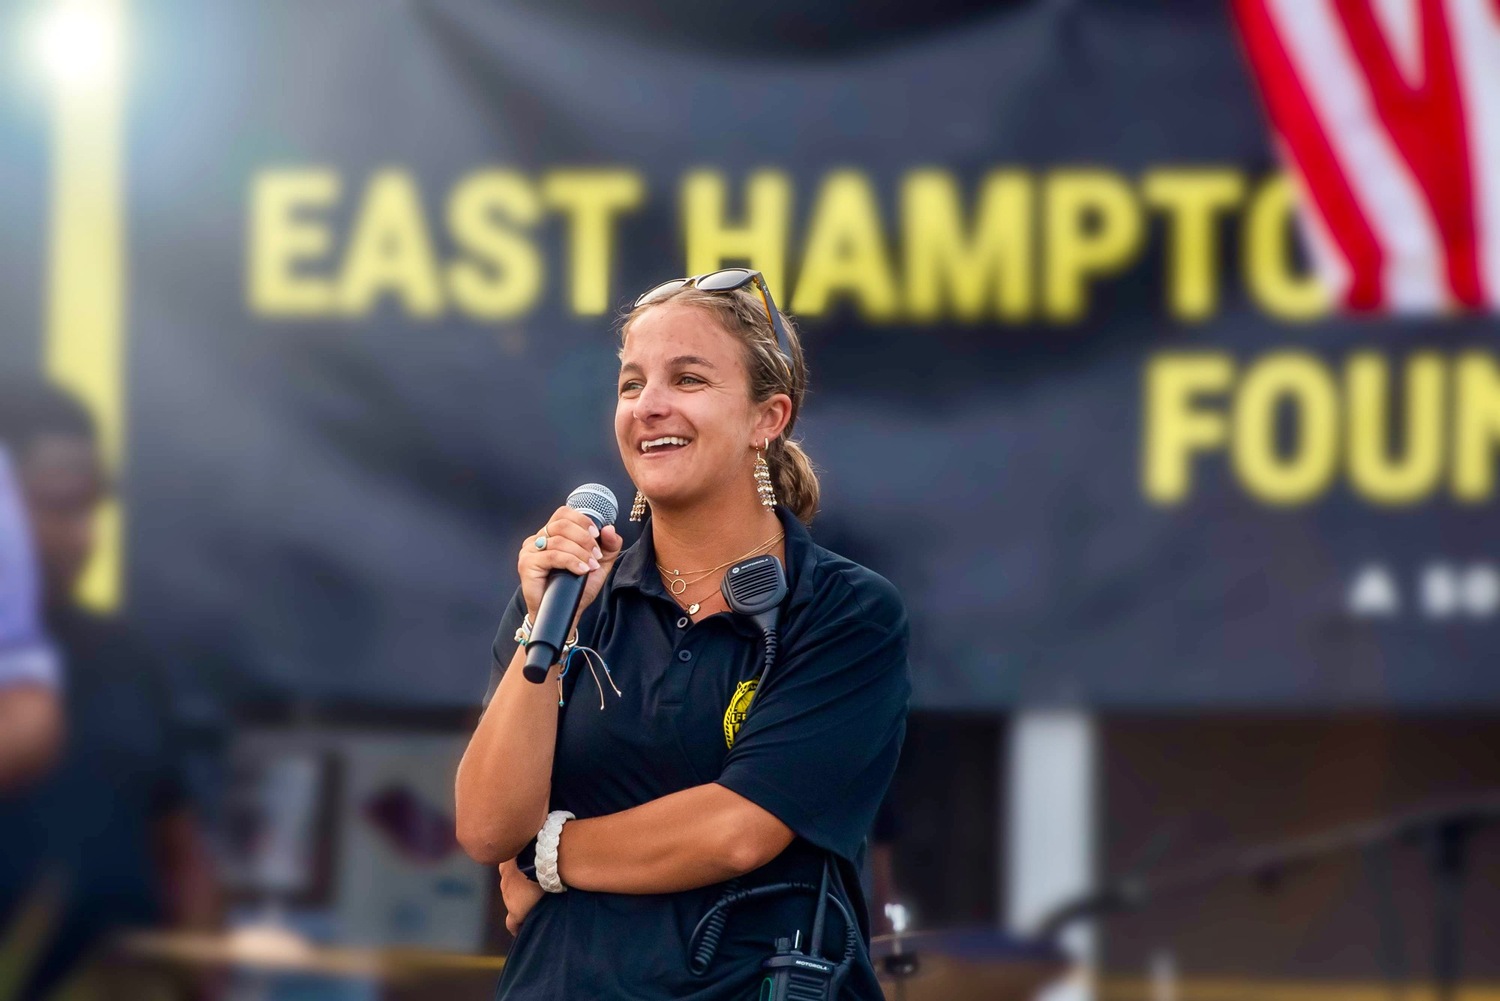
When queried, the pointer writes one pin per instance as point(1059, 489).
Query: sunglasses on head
point(727, 280)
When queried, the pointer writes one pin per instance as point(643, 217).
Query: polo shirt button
point(682, 623)
point(684, 655)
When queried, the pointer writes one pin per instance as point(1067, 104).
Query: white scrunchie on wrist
point(546, 851)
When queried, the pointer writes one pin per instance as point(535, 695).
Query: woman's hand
point(505, 778)
point(519, 893)
point(574, 544)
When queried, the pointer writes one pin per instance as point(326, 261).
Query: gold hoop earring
point(638, 509)
point(763, 478)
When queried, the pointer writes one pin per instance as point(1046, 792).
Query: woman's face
point(684, 420)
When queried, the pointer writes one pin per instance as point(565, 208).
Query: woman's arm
point(682, 841)
point(30, 733)
point(829, 732)
point(504, 781)
point(505, 778)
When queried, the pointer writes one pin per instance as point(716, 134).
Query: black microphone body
point(554, 617)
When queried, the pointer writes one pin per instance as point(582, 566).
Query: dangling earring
point(763, 478)
point(638, 509)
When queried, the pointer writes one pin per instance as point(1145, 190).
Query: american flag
point(1387, 112)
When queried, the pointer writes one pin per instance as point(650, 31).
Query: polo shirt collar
point(637, 566)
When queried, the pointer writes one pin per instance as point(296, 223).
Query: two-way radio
point(756, 587)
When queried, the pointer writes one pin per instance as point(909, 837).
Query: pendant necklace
point(692, 609)
point(677, 582)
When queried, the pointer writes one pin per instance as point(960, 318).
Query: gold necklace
point(676, 576)
point(693, 608)
point(677, 583)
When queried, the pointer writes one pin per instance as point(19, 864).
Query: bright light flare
point(80, 43)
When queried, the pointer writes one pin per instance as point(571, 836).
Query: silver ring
point(541, 540)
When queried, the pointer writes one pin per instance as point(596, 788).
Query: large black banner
point(1074, 389)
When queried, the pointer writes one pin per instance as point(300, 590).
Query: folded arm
point(682, 841)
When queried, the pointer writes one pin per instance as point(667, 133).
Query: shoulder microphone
point(756, 587)
point(565, 589)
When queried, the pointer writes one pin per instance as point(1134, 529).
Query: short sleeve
point(25, 656)
point(32, 665)
point(819, 748)
point(504, 646)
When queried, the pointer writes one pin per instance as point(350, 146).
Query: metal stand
point(1444, 832)
point(1448, 847)
point(1388, 913)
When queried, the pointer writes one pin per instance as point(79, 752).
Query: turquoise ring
point(540, 541)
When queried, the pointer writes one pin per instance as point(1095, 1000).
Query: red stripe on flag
point(1453, 180)
point(1293, 115)
point(1427, 126)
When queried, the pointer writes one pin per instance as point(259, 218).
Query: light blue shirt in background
point(25, 655)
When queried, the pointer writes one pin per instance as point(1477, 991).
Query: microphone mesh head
point(595, 499)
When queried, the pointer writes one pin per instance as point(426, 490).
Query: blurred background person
point(30, 716)
point(110, 827)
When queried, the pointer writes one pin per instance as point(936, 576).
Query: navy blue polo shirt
point(817, 751)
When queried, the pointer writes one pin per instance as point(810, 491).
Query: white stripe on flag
point(1475, 25)
point(1399, 24)
point(1328, 258)
point(1414, 277)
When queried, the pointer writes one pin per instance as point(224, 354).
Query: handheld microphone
point(565, 588)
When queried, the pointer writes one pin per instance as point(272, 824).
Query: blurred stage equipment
point(977, 964)
point(285, 952)
point(273, 824)
point(1442, 831)
point(965, 964)
point(960, 964)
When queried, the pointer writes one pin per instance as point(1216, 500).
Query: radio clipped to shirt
point(756, 587)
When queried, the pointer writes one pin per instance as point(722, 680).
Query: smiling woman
point(620, 821)
point(681, 332)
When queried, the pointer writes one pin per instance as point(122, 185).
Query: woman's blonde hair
point(742, 312)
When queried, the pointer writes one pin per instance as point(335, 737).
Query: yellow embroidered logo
point(739, 705)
